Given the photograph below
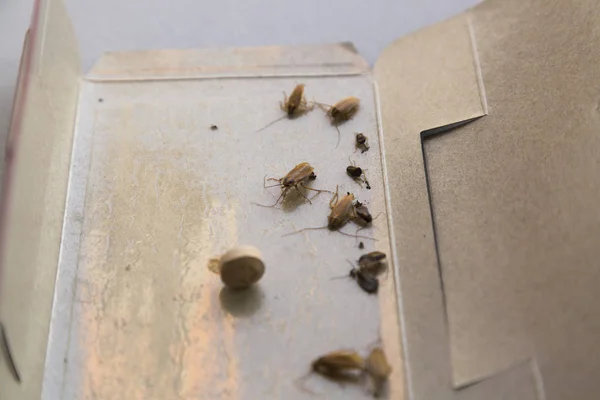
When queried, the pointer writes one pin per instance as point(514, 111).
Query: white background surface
point(143, 24)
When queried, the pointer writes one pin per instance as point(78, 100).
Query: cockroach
point(341, 112)
point(342, 211)
point(340, 366)
point(357, 174)
point(368, 283)
point(298, 176)
point(294, 106)
point(365, 278)
point(361, 142)
point(378, 369)
point(363, 215)
point(372, 263)
point(8, 354)
point(337, 363)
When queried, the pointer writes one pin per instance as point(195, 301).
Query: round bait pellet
point(241, 267)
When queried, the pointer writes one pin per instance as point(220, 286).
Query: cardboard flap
point(495, 221)
point(317, 60)
point(34, 193)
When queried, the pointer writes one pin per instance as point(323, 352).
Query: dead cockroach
point(296, 103)
point(361, 142)
point(372, 263)
point(357, 174)
point(340, 366)
point(341, 112)
point(8, 354)
point(363, 215)
point(378, 369)
point(366, 280)
point(368, 283)
point(298, 176)
point(294, 106)
point(342, 211)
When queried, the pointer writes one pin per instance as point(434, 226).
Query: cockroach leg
point(283, 193)
point(303, 195)
point(270, 179)
point(326, 227)
point(368, 223)
point(284, 102)
point(301, 384)
point(319, 191)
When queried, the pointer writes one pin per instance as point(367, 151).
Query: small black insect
point(361, 142)
point(214, 127)
point(353, 171)
point(357, 174)
point(361, 245)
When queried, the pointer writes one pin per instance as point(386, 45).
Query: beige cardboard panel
point(425, 81)
point(39, 155)
point(515, 200)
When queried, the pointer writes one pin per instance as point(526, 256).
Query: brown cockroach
point(341, 112)
point(10, 361)
point(342, 211)
point(378, 369)
point(357, 174)
point(373, 263)
point(338, 362)
point(361, 142)
point(340, 366)
point(294, 106)
point(298, 176)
